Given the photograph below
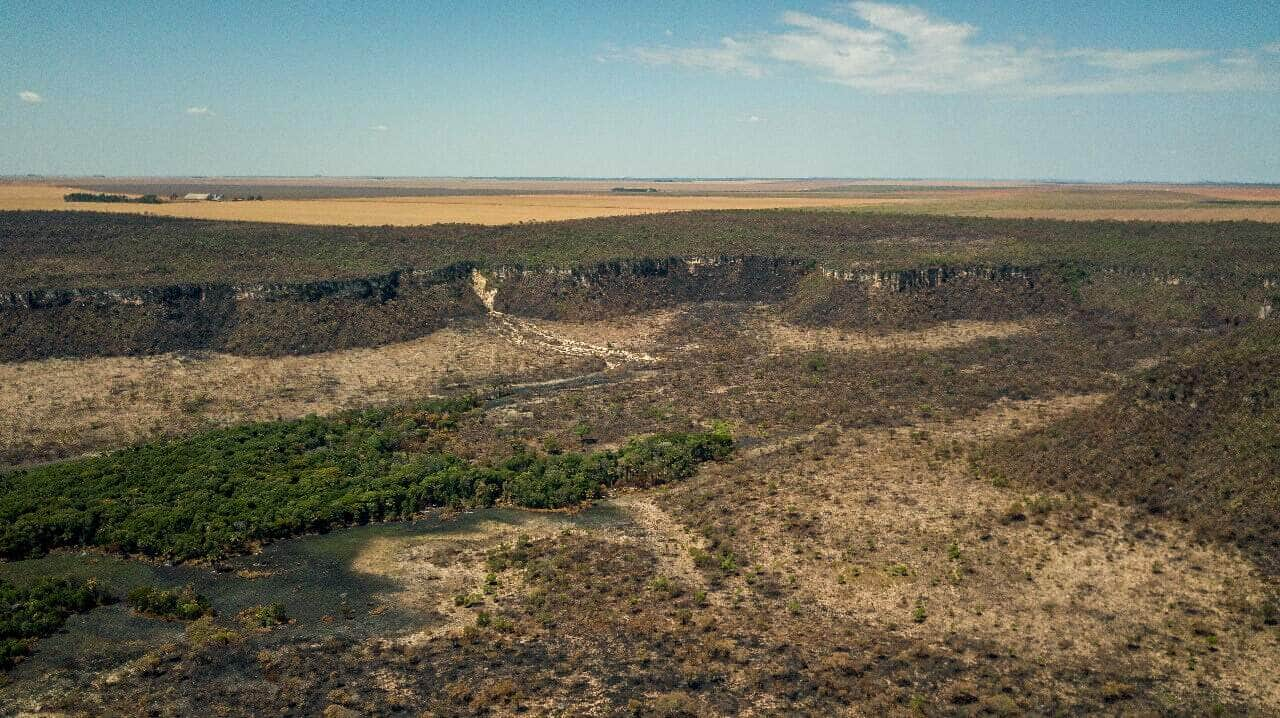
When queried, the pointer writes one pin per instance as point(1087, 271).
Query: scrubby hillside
point(75, 284)
point(50, 250)
point(1197, 437)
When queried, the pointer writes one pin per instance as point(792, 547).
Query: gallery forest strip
point(220, 492)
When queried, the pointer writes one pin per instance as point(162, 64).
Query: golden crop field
point(471, 209)
point(550, 200)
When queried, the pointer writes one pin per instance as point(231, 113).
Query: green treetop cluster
point(217, 493)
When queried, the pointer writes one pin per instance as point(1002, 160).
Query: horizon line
point(642, 178)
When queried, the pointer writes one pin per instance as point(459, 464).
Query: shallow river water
point(313, 576)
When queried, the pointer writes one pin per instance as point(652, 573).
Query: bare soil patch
point(433, 571)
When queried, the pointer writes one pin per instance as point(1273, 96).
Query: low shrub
point(264, 616)
point(180, 603)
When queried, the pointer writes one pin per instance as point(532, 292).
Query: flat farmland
point(368, 202)
point(418, 210)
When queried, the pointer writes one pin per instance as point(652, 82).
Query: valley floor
point(848, 559)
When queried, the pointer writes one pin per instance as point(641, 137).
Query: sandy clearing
point(640, 333)
point(781, 335)
point(433, 569)
point(670, 542)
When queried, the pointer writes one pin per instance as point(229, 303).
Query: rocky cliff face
point(623, 287)
point(282, 318)
point(930, 277)
point(914, 297)
point(380, 288)
point(264, 318)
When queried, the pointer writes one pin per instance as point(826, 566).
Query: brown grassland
point(57, 408)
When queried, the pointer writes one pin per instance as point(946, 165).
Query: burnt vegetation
point(31, 612)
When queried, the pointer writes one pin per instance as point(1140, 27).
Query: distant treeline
point(218, 493)
point(110, 198)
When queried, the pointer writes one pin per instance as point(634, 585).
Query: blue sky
point(1176, 91)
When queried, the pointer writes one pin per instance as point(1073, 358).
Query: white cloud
point(914, 25)
point(898, 48)
point(379, 128)
point(1132, 60)
point(200, 110)
point(731, 56)
point(752, 119)
point(31, 98)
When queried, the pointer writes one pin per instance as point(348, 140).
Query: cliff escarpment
point(626, 286)
point(271, 318)
point(260, 318)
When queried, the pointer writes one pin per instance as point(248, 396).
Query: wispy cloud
point(200, 110)
point(1133, 60)
point(30, 97)
point(731, 56)
point(379, 128)
point(893, 48)
point(752, 119)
